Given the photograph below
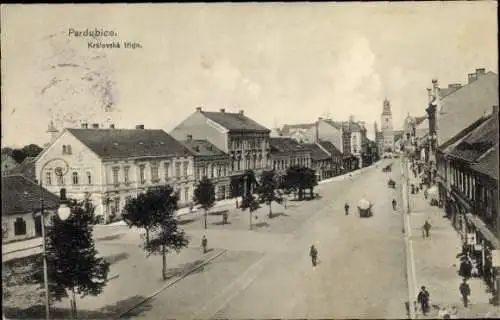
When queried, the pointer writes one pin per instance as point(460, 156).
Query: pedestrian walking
point(313, 252)
point(426, 194)
point(423, 299)
point(426, 227)
point(394, 204)
point(204, 243)
point(465, 270)
point(465, 292)
point(346, 208)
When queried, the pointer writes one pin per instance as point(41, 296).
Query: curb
point(22, 249)
point(179, 278)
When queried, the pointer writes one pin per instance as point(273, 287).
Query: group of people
point(423, 299)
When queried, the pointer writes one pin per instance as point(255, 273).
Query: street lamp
point(63, 213)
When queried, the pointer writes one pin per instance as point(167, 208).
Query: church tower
point(387, 129)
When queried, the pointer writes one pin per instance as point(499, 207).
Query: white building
point(110, 165)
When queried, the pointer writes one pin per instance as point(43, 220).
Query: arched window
point(68, 149)
point(75, 177)
point(64, 151)
point(19, 227)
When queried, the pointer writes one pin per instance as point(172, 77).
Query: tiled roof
point(456, 139)
point(487, 164)
point(330, 148)
point(21, 195)
point(316, 152)
point(235, 121)
point(203, 148)
point(464, 106)
point(478, 141)
point(128, 143)
point(285, 145)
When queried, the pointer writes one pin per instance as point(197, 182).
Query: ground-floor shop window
point(19, 227)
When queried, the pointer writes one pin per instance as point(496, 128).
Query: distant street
point(267, 272)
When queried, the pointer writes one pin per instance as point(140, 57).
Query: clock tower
point(387, 129)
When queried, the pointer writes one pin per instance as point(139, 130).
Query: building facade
point(20, 205)
point(244, 140)
point(210, 162)
point(109, 165)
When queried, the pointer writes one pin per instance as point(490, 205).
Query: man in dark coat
point(346, 208)
point(314, 255)
point(423, 299)
point(394, 204)
point(204, 243)
point(465, 292)
point(427, 226)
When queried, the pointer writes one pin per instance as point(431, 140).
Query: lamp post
point(63, 213)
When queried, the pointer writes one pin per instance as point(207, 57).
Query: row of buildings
point(110, 165)
point(456, 143)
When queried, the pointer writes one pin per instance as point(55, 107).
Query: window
point(64, 149)
point(177, 170)
point(154, 173)
point(89, 177)
point(204, 171)
point(75, 178)
point(219, 170)
point(186, 166)
point(48, 178)
point(115, 175)
point(186, 194)
point(142, 176)
point(19, 227)
point(60, 180)
point(117, 205)
point(125, 175)
point(213, 169)
point(167, 170)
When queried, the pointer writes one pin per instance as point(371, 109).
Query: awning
point(483, 229)
point(364, 204)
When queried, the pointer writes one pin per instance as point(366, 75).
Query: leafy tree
point(310, 180)
point(204, 195)
point(251, 203)
point(162, 205)
point(6, 150)
point(18, 155)
point(74, 268)
point(31, 150)
point(140, 212)
point(268, 190)
point(300, 178)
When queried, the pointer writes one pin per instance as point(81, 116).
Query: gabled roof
point(330, 147)
point(477, 141)
point(285, 145)
point(487, 164)
point(21, 195)
point(234, 121)
point(129, 143)
point(462, 107)
point(316, 152)
point(203, 148)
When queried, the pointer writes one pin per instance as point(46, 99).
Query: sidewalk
point(436, 264)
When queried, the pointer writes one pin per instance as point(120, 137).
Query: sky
point(280, 63)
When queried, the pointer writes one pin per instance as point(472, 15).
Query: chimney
point(317, 128)
point(139, 127)
point(472, 77)
point(242, 112)
point(480, 72)
point(198, 109)
point(222, 110)
point(95, 126)
point(111, 126)
point(189, 137)
point(85, 125)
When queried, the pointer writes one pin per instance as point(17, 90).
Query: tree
point(310, 180)
point(6, 150)
point(162, 205)
point(31, 150)
point(139, 212)
point(204, 195)
point(74, 268)
point(249, 202)
point(268, 190)
point(18, 155)
point(300, 178)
